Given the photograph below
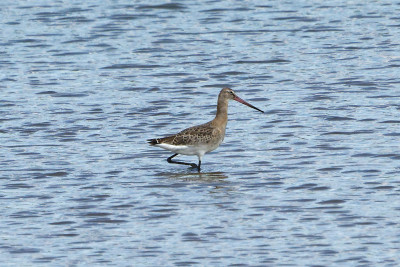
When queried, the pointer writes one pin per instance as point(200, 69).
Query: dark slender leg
point(180, 162)
point(198, 166)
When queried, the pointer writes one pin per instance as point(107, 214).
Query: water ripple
point(313, 181)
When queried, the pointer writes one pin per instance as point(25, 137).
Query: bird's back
point(201, 135)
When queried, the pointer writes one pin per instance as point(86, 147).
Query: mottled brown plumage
point(198, 140)
point(200, 134)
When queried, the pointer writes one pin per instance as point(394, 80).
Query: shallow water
point(313, 181)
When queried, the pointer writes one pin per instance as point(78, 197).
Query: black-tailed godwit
point(198, 140)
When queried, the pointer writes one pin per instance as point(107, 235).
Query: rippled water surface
point(313, 181)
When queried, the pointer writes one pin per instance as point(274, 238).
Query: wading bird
point(200, 139)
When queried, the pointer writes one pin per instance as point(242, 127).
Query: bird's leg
point(180, 162)
point(198, 166)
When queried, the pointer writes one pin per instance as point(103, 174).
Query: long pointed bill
point(238, 99)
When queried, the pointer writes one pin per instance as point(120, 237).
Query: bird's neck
point(221, 118)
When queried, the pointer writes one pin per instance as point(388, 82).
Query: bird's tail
point(153, 141)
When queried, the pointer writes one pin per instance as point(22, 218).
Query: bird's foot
point(194, 165)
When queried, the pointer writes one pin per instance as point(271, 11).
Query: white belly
point(198, 150)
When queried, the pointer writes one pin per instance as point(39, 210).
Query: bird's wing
point(202, 134)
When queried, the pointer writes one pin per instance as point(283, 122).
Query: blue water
point(312, 182)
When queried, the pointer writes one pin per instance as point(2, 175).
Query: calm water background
point(313, 181)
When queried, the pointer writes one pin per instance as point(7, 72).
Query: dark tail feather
point(153, 141)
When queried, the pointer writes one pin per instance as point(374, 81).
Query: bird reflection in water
point(199, 177)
